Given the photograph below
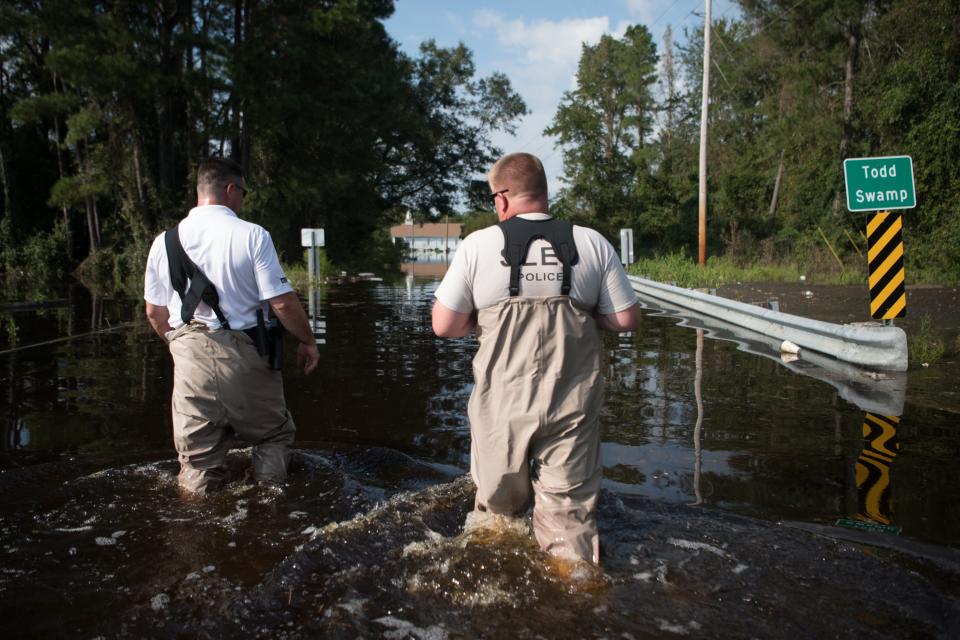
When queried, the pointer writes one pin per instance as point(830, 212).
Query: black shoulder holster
point(267, 336)
point(518, 233)
point(201, 289)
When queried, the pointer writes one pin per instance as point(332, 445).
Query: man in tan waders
point(204, 300)
point(537, 290)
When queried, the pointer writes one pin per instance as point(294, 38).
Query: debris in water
point(679, 629)
point(159, 601)
point(105, 542)
point(403, 629)
point(789, 347)
point(697, 546)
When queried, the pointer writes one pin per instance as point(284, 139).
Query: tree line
point(796, 87)
point(107, 108)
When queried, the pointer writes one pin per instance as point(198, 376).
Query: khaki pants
point(534, 419)
point(224, 393)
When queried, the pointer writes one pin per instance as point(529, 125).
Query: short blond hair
point(521, 173)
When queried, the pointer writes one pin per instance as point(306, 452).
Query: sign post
point(313, 239)
point(881, 185)
point(626, 246)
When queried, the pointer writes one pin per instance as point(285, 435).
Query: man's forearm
point(159, 319)
point(290, 312)
point(448, 323)
point(626, 320)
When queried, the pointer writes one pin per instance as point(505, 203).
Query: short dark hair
point(216, 173)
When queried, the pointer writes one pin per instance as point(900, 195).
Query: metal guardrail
point(870, 346)
point(882, 393)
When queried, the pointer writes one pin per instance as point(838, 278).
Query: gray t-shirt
point(479, 276)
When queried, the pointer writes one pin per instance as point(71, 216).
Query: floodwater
point(726, 474)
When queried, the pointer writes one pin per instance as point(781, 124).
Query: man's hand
point(159, 318)
point(308, 357)
point(290, 312)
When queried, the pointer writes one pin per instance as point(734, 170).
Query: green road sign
point(879, 184)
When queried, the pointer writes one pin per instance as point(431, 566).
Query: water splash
point(378, 544)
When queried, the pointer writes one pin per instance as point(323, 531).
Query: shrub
point(926, 346)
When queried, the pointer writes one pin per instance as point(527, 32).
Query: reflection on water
point(688, 419)
point(367, 537)
point(427, 263)
point(873, 468)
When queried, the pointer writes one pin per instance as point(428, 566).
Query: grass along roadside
point(683, 271)
point(927, 345)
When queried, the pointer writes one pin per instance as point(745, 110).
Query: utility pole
point(703, 138)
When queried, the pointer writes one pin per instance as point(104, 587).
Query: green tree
point(603, 126)
point(108, 107)
point(910, 104)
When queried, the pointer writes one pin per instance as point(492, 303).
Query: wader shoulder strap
point(518, 233)
point(200, 289)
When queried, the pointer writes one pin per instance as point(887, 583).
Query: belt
point(203, 326)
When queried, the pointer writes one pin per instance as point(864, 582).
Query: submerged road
point(725, 475)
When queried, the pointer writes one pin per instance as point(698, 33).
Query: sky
point(537, 45)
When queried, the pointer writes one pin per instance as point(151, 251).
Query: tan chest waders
point(536, 402)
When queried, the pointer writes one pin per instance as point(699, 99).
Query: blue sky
point(537, 45)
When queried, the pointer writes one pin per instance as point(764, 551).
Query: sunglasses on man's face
point(493, 196)
point(243, 190)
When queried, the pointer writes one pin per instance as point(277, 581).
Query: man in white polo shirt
point(223, 389)
point(536, 290)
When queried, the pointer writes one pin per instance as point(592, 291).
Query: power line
point(775, 18)
point(672, 4)
point(724, 15)
point(722, 74)
point(692, 12)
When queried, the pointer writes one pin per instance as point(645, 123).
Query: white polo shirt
point(237, 256)
point(479, 277)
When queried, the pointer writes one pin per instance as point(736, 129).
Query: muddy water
point(725, 473)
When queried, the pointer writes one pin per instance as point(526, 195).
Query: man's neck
point(513, 214)
point(206, 202)
point(520, 206)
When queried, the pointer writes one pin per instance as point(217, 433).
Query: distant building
point(428, 236)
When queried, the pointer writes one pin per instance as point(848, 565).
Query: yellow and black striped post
point(888, 295)
point(873, 467)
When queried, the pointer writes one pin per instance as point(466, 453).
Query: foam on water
point(698, 546)
point(399, 629)
point(319, 558)
point(495, 524)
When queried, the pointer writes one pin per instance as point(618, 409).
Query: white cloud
point(455, 22)
point(557, 42)
point(645, 11)
point(540, 57)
